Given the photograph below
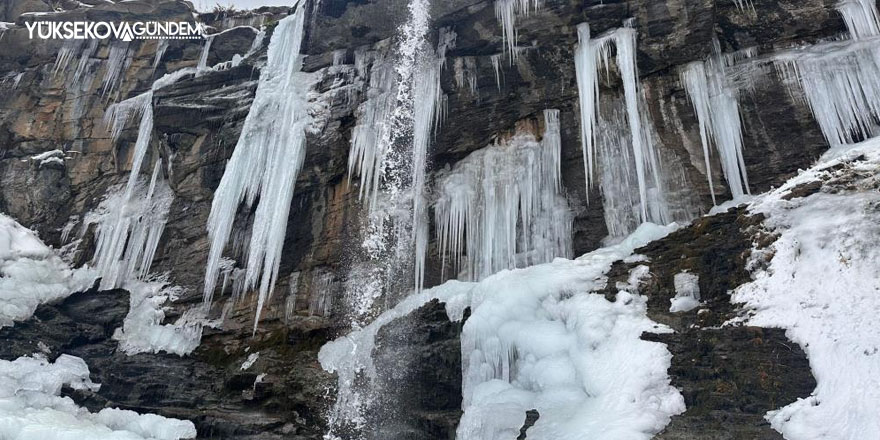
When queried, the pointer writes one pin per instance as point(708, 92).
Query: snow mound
point(30, 406)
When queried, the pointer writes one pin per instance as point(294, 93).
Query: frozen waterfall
point(267, 160)
point(591, 57)
point(839, 78)
point(501, 207)
point(714, 95)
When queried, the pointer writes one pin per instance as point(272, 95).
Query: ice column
point(130, 222)
point(266, 160)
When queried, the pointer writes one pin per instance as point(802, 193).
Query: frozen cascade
point(839, 78)
point(617, 180)
point(506, 11)
point(501, 206)
point(131, 220)
point(714, 95)
point(591, 56)
point(861, 17)
point(206, 49)
point(266, 160)
point(161, 47)
point(539, 339)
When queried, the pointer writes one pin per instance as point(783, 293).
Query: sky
point(207, 5)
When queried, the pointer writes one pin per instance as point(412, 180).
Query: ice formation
point(591, 56)
point(30, 389)
point(861, 17)
point(131, 219)
point(143, 330)
point(267, 160)
point(389, 152)
point(838, 78)
point(538, 339)
point(203, 55)
point(821, 286)
point(501, 206)
point(506, 12)
point(31, 273)
point(714, 95)
point(687, 292)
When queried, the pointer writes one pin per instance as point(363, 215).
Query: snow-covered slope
point(822, 284)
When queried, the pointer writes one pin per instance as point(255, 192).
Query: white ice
point(539, 339)
point(267, 160)
point(501, 207)
point(31, 273)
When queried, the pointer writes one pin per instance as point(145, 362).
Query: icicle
point(496, 66)
point(117, 63)
point(861, 17)
point(206, 49)
point(591, 55)
point(839, 78)
point(715, 100)
point(160, 52)
point(267, 160)
point(338, 57)
point(130, 226)
point(501, 205)
point(587, 74)
point(119, 114)
point(506, 12)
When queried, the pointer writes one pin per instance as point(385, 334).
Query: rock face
point(730, 376)
point(51, 105)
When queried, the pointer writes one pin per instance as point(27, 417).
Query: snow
point(31, 274)
point(538, 339)
point(267, 160)
point(687, 292)
point(501, 207)
point(47, 154)
point(822, 286)
point(30, 406)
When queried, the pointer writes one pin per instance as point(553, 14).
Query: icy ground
point(822, 285)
